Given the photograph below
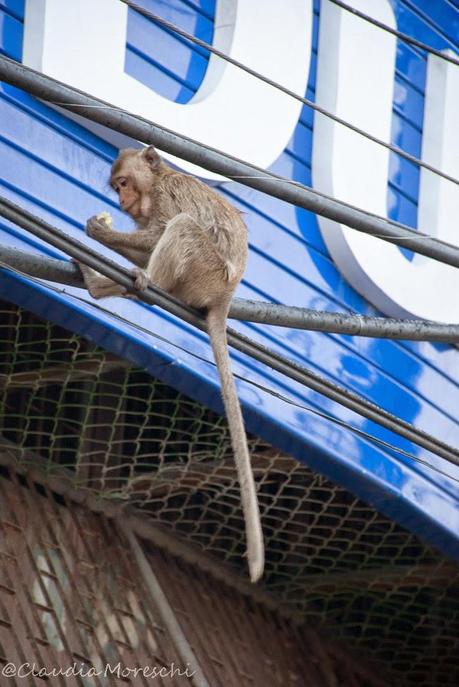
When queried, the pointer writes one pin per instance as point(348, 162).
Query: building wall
point(72, 599)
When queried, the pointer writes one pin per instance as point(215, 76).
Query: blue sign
point(58, 169)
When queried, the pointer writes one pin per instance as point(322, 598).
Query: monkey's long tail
point(216, 324)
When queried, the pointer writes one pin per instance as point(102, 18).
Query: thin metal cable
point(287, 91)
point(313, 411)
point(291, 369)
point(401, 36)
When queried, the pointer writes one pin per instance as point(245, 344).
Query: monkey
point(191, 242)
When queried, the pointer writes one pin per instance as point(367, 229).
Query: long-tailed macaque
point(191, 242)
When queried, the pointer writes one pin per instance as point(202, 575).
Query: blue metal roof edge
point(436, 525)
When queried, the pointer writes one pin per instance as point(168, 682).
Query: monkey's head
point(132, 177)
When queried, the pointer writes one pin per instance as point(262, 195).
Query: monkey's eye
point(119, 183)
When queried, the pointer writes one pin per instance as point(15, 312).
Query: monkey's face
point(128, 195)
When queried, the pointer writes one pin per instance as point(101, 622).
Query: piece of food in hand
point(107, 218)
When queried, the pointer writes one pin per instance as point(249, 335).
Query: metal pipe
point(165, 610)
point(299, 373)
point(340, 323)
point(57, 93)
point(42, 267)
point(261, 312)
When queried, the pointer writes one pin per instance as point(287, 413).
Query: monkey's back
point(216, 250)
point(211, 211)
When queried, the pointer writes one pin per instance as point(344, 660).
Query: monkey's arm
point(136, 247)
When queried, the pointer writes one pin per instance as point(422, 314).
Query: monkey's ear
point(151, 156)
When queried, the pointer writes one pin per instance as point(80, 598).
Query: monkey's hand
point(98, 228)
point(141, 279)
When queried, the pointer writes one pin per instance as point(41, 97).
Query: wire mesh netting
point(129, 438)
point(73, 604)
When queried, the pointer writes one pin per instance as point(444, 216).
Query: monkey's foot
point(105, 290)
point(89, 275)
point(141, 279)
point(98, 285)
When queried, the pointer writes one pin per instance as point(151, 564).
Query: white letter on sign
point(83, 43)
point(356, 65)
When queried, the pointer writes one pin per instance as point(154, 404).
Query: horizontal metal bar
point(340, 323)
point(299, 373)
point(261, 312)
point(209, 158)
point(42, 267)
